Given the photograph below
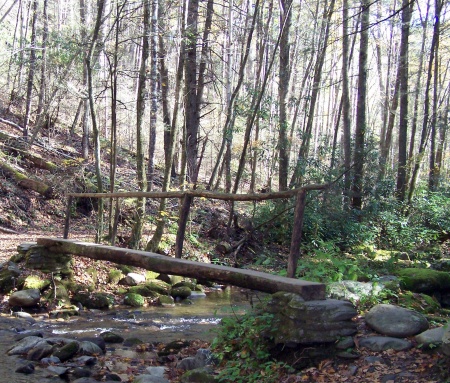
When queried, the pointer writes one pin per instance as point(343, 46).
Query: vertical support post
point(296, 238)
point(67, 220)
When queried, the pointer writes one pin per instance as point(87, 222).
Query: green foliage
point(243, 350)
point(324, 262)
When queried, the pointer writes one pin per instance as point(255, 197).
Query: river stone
point(68, 351)
point(166, 301)
point(25, 298)
point(132, 279)
point(197, 294)
point(7, 281)
point(159, 287)
point(26, 369)
point(25, 345)
point(110, 337)
point(182, 292)
point(303, 322)
point(396, 321)
point(146, 378)
point(383, 343)
point(143, 290)
point(40, 351)
point(199, 375)
point(58, 370)
point(430, 338)
point(446, 340)
point(134, 300)
point(90, 348)
point(156, 371)
point(94, 300)
point(99, 341)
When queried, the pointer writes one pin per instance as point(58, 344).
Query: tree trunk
point(426, 116)
point(153, 93)
point(403, 117)
point(283, 87)
point(89, 59)
point(23, 180)
point(31, 70)
point(140, 113)
point(360, 133)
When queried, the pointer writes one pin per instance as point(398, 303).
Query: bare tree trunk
point(426, 116)
point(140, 113)
point(403, 118)
point(43, 85)
point(31, 70)
point(283, 87)
point(153, 93)
point(360, 134)
point(169, 129)
point(89, 62)
point(424, 23)
point(346, 111)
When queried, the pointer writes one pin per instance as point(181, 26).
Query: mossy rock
point(126, 269)
point(166, 301)
point(114, 276)
point(158, 286)
point(185, 284)
point(134, 300)
point(419, 302)
point(110, 337)
point(182, 292)
point(35, 282)
point(424, 280)
point(68, 351)
point(149, 275)
point(61, 295)
point(8, 281)
point(94, 300)
point(143, 290)
point(198, 375)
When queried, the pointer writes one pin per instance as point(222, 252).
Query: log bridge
point(250, 279)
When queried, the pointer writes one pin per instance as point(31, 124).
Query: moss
point(34, 282)
point(143, 290)
point(159, 287)
point(134, 300)
point(419, 302)
point(424, 280)
point(182, 292)
point(149, 275)
point(166, 301)
point(114, 276)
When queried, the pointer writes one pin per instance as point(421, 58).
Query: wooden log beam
point(205, 194)
point(250, 279)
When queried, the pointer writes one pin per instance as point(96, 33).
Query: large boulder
point(396, 321)
point(424, 280)
point(446, 340)
point(8, 277)
point(25, 298)
point(297, 321)
point(353, 290)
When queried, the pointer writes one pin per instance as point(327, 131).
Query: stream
point(189, 320)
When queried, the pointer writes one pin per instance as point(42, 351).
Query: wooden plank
point(250, 279)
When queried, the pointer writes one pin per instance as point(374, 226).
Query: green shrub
point(243, 350)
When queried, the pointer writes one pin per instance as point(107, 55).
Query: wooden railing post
point(67, 220)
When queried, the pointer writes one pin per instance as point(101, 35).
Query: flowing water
point(196, 320)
